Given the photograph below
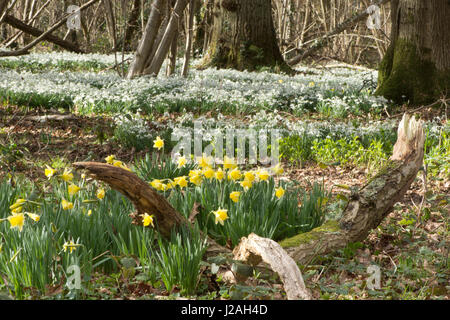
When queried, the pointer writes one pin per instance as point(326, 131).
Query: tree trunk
point(147, 41)
point(189, 35)
point(243, 37)
point(416, 66)
point(166, 41)
point(132, 25)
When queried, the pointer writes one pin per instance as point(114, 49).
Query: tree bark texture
point(243, 37)
point(416, 67)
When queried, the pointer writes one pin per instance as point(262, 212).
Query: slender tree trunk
point(416, 66)
point(243, 36)
point(167, 39)
point(132, 24)
point(147, 42)
point(189, 35)
point(172, 58)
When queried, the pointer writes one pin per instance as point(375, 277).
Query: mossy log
point(368, 207)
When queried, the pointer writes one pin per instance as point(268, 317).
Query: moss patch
point(405, 76)
point(314, 234)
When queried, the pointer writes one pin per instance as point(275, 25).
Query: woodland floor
point(414, 257)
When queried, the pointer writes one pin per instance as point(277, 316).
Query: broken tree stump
point(367, 207)
point(254, 249)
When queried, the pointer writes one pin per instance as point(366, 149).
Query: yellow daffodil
point(89, 212)
point(158, 143)
point(219, 175)
point(110, 159)
point(204, 162)
point(278, 169)
point(156, 184)
point(120, 164)
point(234, 174)
point(181, 161)
point(246, 184)
point(17, 206)
point(249, 176)
point(100, 193)
point(17, 221)
point(279, 192)
point(147, 220)
point(181, 181)
point(263, 175)
point(229, 163)
point(209, 173)
point(235, 196)
point(66, 205)
point(17, 209)
point(67, 175)
point(34, 216)
point(221, 215)
point(73, 189)
point(70, 245)
point(196, 179)
point(49, 172)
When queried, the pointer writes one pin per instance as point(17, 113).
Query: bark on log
point(253, 249)
point(57, 25)
point(18, 24)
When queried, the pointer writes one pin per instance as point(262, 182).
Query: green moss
point(314, 234)
point(405, 76)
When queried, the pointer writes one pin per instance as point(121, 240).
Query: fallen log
point(18, 24)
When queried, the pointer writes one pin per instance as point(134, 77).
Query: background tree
point(243, 36)
point(416, 66)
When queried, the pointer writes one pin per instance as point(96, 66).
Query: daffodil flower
point(34, 216)
point(219, 175)
point(67, 175)
point(235, 196)
point(17, 221)
point(221, 215)
point(66, 205)
point(279, 192)
point(49, 172)
point(181, 161)
point(100, 193)
point(70, 245)
point(263, 175)
point(234, 174)
point(158, 143)
point(278, 169)
point(208, 172)
point(181, 181)
point(73, 189)
point(147, 220)
point(110, 159)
